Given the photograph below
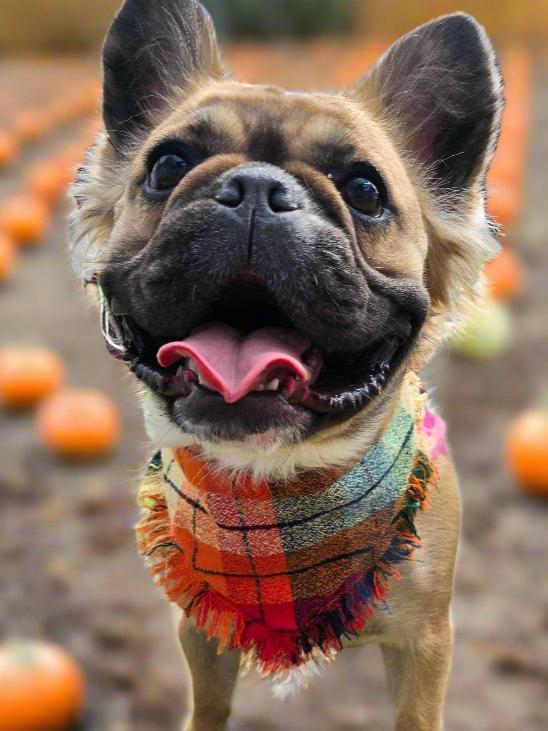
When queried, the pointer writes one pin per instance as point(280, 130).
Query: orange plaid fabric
point(287, 570)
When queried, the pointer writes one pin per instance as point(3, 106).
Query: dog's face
point(276, 263)
point(271, 263)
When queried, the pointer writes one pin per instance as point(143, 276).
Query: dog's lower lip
point(175, 385)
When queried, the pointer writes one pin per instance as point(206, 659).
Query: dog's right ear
point(153, 49)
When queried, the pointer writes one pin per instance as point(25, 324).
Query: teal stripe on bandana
point(378, 480)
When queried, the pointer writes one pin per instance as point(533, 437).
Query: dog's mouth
point(246, 348)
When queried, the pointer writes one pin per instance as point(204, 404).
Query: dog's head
point(271, 263)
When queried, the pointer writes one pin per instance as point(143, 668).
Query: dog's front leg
point(418, 670)
point(214, 678)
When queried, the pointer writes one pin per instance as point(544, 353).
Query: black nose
point(261, 187)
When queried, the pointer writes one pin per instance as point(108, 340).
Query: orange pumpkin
point(527, 451)
point(9, 148)
point(504, 275)
point(8, 257)
point(28, 375)
point(41, 688)
point(79, 423)
point(25, 218)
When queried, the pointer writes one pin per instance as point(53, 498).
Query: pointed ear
point(153, 48)
point(440, 90)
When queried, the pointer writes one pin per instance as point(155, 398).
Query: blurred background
point(69, 572)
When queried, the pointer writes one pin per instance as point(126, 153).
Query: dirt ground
point(69, 569)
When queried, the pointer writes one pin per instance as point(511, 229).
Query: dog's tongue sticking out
point(234, 364)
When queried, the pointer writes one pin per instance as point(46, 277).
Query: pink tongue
point(234, 364)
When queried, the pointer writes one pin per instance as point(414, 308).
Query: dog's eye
point(363, 196)
point(166, 173)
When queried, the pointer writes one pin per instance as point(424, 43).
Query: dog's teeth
point(191, 366)
point(273, 385)
point(201, 380)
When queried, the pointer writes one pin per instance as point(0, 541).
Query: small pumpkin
point(27, 375)
point(504, 275)
point(25, 218)
point(527, 451)
point(41, 687)
point(79, 424)
point(8, 257)
point(9, 147)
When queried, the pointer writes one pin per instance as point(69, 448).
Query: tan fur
point(440, 239)
point(415, 636)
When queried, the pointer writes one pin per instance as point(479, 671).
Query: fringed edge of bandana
point(276, 652)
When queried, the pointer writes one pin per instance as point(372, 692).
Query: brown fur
point(438, 240)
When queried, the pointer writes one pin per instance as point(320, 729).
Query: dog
point(355, 221)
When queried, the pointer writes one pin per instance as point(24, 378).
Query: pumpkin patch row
point(33, 124)
point(488, 333)
point(71, 423)
point(42, 687)
point(505, 182)
point(26, 216)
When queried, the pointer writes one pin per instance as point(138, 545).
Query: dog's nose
point(260, 187)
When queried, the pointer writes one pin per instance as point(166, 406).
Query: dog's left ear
point(153, 49)
point(440, 90)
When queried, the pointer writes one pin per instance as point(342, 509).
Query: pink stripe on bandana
point(435, 430)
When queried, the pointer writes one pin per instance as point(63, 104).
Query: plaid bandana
point(286, 571)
